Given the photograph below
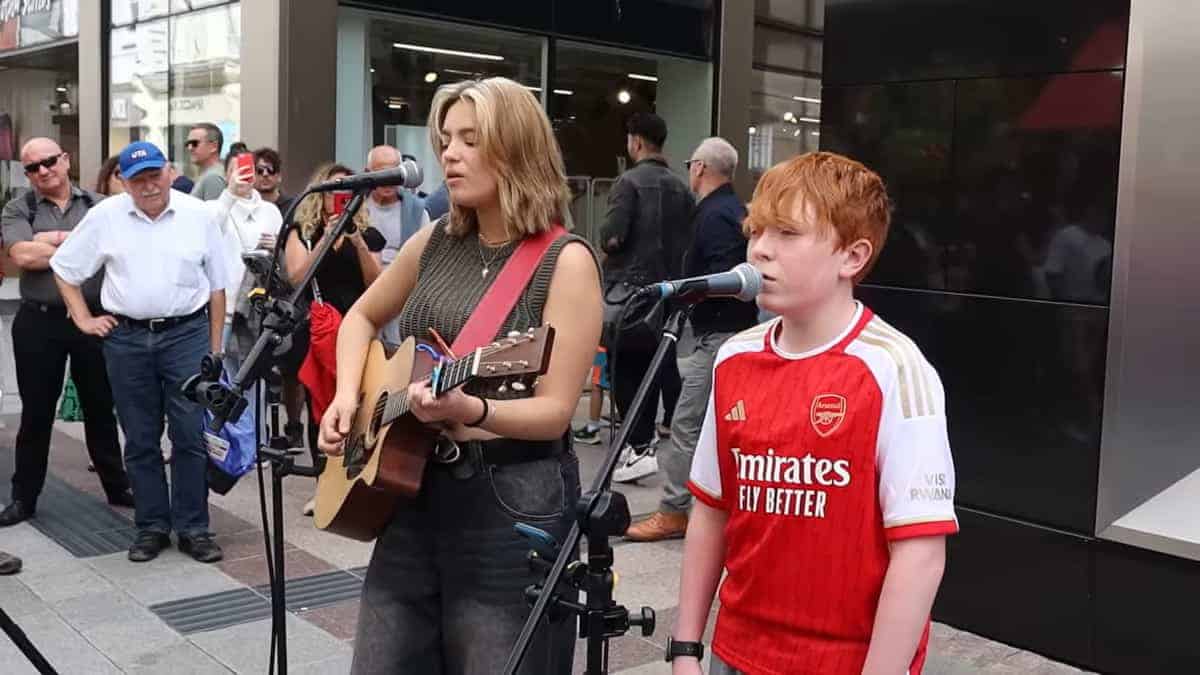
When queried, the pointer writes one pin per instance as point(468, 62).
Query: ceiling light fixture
point(448, 52)
point(564, 92)
point(815, 133)
point(753, 130)
point(624, 97)
point(789, 116)
point(639, 76)
point(431, 77)
point(805, 99)
point(810, 120)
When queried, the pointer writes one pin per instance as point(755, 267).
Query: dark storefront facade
point(1004, 132)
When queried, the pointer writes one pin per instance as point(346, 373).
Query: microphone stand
point(600, 514)
point(228, 403)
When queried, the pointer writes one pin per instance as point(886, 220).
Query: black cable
point(27, 648)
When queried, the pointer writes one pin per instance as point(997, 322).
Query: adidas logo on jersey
point(737, 413)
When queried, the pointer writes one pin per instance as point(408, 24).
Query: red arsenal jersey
point(820, 459)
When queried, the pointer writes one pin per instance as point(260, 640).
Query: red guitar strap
point(499, 300)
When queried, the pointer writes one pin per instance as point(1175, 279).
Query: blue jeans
point(146, 370)
point(444, 594)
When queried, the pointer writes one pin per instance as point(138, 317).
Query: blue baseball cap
point(140, 156)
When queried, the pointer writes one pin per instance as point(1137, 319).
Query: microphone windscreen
point(374, 240)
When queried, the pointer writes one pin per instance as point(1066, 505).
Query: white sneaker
point(635, 463)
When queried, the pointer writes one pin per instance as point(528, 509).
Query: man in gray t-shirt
point(204, 143)
point(34, 224)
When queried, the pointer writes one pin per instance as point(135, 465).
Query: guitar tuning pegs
point(519, 386)
point(503, 388)
point(514, 333)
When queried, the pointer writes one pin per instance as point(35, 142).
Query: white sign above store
point(13, 8)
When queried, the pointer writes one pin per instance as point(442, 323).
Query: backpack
point(31, 201)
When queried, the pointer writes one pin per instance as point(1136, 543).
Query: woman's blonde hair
point(310, 214)
point(517, 141)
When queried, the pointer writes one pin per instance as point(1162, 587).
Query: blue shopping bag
point(231, 450)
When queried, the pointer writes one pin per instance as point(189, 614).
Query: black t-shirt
point(339, 277)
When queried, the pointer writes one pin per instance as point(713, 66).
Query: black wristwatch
point(680, 648)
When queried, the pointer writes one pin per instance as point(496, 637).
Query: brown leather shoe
point(9, 564)
point(662, 525)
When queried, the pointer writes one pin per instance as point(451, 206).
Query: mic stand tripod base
point(283, 464)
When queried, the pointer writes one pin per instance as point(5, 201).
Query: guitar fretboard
point(453, 374)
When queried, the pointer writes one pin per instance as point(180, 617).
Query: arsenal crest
point(828, 411)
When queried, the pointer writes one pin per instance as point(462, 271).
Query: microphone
point(742, 283)
point(408, 175)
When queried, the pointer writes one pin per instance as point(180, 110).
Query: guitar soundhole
point(377, 415)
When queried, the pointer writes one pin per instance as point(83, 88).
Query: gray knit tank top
point(450, 283)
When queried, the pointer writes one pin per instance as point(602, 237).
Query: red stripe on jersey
point(708, 500)
point(934, 529)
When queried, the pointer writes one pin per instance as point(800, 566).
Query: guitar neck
point(451, 375)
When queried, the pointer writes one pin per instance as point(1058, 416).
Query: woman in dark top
point(340, 280)
point(350, 267)
point(444, 591)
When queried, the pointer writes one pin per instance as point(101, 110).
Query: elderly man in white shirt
point(164, 261)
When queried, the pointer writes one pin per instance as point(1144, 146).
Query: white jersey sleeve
point(915, 468)
point(706, 470)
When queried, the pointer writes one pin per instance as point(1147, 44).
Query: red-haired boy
point(823, 473)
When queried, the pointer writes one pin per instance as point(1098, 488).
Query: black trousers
point(43, 338)
point(629, 368)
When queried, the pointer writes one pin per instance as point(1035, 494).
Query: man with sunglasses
point(204, 143)
point(268, 178)
point(34, 225)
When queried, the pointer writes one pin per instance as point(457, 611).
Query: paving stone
point(66, 649)
point(18, 600)
point(168, 582)
point(246, 648)
point(97, 609)
point(128, 640)
point(336, 665)
point(64, 581)
point(338, 620)
point(179, 658)
point(253, 571)
point(31, 546)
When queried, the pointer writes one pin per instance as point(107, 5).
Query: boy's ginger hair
point(849, 200)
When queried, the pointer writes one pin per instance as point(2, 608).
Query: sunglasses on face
point(264, 170)
point(192, 144)
point(47, 163)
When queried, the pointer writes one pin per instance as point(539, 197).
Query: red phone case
point(340, 200)
point(245, 163)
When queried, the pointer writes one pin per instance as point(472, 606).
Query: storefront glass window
point(174, 71)
point(39, 77)
point(595, 90)
point(390, 67)
point(785, 119)
point(785, 93)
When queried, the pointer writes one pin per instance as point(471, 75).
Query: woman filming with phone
point(444, 592)
point(343, 275)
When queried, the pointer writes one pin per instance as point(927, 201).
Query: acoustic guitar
point(385, 454)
